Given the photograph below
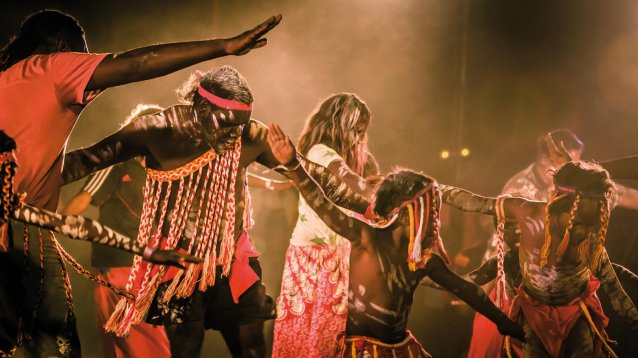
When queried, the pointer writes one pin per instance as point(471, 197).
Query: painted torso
point(562, 279)
point(381, 287)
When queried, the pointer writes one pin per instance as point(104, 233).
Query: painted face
point(222, 125)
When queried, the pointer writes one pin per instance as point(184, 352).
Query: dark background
point(488, 75)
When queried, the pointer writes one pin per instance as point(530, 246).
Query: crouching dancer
point(563, 262)
point(388, 261)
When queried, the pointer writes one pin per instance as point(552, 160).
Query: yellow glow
point(445, 154)
point(465, 152)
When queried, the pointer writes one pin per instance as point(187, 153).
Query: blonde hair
point(335, 123)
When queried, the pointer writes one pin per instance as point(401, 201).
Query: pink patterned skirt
point(313, 303)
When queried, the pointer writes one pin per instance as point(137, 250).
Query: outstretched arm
point(620, 302)
point(464, 200)
point(623, 168)
point(284, 152)
point(356, 183)
point(487, 272)
point(473, 295)
point(81, 228)
point(159, 60)
point(129, 142)
point(624, 274)
point(116, 148)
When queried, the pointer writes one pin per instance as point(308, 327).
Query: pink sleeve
point(71, 72)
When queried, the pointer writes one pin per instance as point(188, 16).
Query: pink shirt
point(41, 98)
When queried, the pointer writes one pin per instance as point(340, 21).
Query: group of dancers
point(172, 185)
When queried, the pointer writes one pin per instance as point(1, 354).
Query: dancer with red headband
point(388, 258)
point(196, 199)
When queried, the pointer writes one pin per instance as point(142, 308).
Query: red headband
point(224, 103)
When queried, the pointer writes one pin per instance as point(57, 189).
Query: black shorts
point(215, 306)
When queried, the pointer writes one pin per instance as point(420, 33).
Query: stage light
point(445, 154)
point(465, 152)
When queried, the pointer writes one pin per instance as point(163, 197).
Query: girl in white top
point(311, 309)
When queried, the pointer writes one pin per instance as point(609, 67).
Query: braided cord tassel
point(228, 242)
point(597, 254)
point(566, 238)
point(411, 264)
point(554, 197)
point(65, 274)
point(436, 223)
point(501, 292)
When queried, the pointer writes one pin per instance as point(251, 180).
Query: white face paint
point(215, 121)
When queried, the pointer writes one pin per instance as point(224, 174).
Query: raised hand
point(280, 144)
point(251, 39)
point(557, 155)
point(171, 258)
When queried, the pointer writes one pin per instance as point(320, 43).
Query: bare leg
point(580, 342)
point(533, 348)
point(186, 339)
point(246, 340)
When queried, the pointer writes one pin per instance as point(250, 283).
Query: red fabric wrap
point(242, 275)
point(552, 324)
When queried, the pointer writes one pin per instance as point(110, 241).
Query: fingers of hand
point(260, 43)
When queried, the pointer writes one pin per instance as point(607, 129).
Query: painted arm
point(624, 274)
point(129, 142)
point(357, 184)
point(473, 295)
point(116, 148)
point(284, 152)
point(487, 272)
point(159, 60)
point(464, 200)
point(81, 228)
point(620, 302)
